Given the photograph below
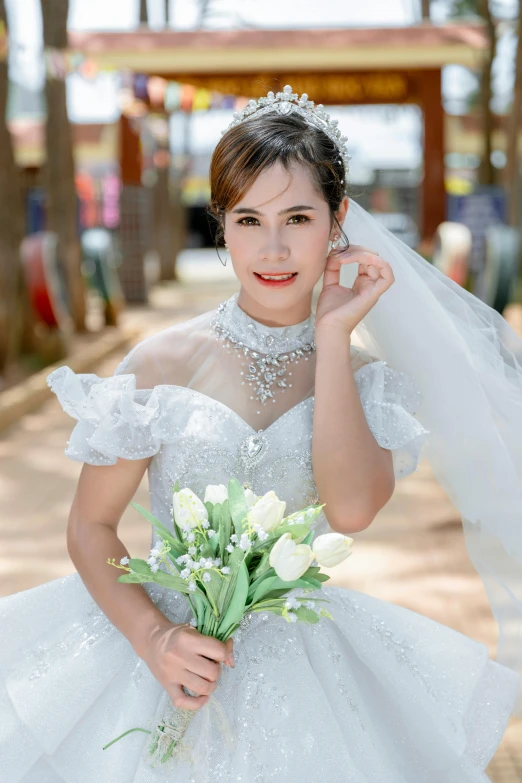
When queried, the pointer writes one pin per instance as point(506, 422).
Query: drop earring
point(336, 242)
point(225, 259)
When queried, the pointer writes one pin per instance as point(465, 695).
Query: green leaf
point(133, 578)
point(312, 582)
point(216, 516)
point(170, 580)
point(264, 587)
point(255, 584)
point(151, 518)
point(176, 486)
point(210, 507)
point(144, 574)
point(275, 583)
point(274, 609)
point(162, 530)
point(307, 615)
point(229, 582)
point(213, 587)
point(297, 531)
point(322, 577)
point(177, 531)
point(214, 543)
point(224, 531)
point(262, 567)
point(202, 606)
point(237, 504)
point(236, 608)
point(139, 566)
point(275, 594)
point(206, 549)
point(309, 538)
point(312, 571)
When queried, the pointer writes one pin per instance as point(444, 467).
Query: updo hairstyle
point(245, 150)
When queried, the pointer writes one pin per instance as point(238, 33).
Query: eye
point(242, 221)
point(301, 218)
point(304, 220)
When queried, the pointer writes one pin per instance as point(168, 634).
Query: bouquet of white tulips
point(231, 554)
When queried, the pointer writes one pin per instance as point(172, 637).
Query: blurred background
point(109, 112)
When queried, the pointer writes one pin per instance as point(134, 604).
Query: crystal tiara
point(286, 102)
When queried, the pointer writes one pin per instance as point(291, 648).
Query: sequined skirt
point(379, 694)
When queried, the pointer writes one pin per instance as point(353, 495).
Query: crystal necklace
point(269, 350)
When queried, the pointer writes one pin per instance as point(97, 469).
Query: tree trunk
point(486, 170)
point(61, 189)
point(425, 10)
point(179, 217)
point(162, 216)
point(16, 317)
point(167, 13)
point(513, 124)
point(144, 14)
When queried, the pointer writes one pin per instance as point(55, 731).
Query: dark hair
point(255, 144)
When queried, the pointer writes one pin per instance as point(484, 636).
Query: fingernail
point(232, 661)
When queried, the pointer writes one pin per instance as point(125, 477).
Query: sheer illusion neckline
point(246, 331)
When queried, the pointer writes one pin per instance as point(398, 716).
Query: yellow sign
point(329, 88)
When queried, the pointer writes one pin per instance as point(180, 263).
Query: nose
point(273, 248)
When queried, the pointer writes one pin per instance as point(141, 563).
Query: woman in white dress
point(378, 694)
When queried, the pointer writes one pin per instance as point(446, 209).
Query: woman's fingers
point(205, 667)
point(181, 700)
point(369, 262)
point(229, 644)
point(198, 684)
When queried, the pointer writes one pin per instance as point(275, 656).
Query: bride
point(378, 693)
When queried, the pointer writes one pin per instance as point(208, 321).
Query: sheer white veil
point(467, 362)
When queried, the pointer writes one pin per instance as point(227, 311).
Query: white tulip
point(268, 511)
point(251, 497)
point(332, 548)
point(215, 493)
point(188, 508)
point(290, 560)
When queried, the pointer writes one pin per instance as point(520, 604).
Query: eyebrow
point(245, 210)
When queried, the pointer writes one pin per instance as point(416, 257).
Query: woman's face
point(280, 226)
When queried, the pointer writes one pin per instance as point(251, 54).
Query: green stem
point(124, 735)
point(214, 607)
point(168, 752)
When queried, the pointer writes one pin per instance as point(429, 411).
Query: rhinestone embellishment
point(268, 350)
point(252, 450)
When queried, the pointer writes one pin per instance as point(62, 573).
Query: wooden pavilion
point(393, 65)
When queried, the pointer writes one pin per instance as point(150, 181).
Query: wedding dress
point(379, 694)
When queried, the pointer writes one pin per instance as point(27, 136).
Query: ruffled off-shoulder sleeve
point(390, 399)
point(114, 418)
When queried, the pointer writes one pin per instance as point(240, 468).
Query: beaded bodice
point(183, 398)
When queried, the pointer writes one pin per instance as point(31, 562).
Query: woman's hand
point(178, 654)
point(344, 307)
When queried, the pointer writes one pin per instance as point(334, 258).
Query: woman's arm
point(353, 474)
point(101, 497)
point(177, 654)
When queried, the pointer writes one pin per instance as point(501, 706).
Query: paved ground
point(413, 554)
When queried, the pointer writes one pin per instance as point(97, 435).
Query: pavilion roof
point(170, 53)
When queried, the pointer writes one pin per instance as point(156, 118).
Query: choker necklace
point(268, 349)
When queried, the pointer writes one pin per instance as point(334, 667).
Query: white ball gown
point(379, 694)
